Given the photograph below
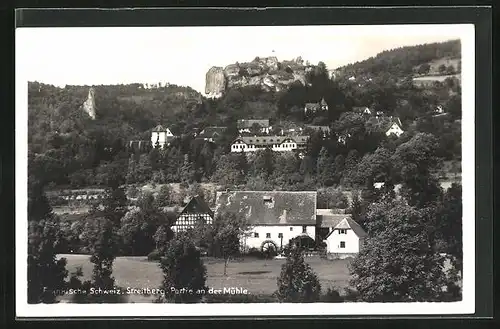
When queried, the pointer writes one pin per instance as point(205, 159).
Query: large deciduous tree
point(416, 160)
point(46, 273)
point(228, 229)
point(398, 261)
point(99, 236)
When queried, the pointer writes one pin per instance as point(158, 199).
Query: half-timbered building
point(195, 211)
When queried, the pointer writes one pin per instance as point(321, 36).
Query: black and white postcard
point(277, 170)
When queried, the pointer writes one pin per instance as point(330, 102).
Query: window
point(342, 244)
point(291, 228)
point(304, 229)
point(256, 235)
point(342, 231)
point(280, 235)
point(268, 235)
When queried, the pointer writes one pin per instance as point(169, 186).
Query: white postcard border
point(466, 306)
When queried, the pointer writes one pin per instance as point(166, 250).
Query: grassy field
point(257, 276)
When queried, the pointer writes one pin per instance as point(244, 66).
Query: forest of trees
point(400, 62)
point(74, 150)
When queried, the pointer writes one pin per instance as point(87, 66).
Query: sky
point(183, 55)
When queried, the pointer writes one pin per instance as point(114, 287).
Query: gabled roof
point(349, 223)
point(270, 207)
point(323, 102)
point(197, 205)
point(319, 128)
point(270, 140)
point(212, 131)
point(312, 106)
point(160, 128)
point(242, 124)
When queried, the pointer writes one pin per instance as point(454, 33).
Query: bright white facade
point(161, 135)
point(277, 144)
point(345, 239)
point(395, 129)
point(257, 235)
point(263, 130)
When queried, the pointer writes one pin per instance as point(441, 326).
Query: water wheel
point(269, 248)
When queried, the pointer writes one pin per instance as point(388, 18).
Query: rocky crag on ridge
point(267, 73)
point(89, 105)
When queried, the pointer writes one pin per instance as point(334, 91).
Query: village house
point(162, 136)
point(211, 133)
point(275, 143)
point(140, 145)
point(194, 211)
point(274, 217)
point(342, 235)
point(362, 110)
point(248, 126)
point(314, 107)
point(323, 129)
point(395, 127)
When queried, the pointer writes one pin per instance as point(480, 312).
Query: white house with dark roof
point(314, 107)
point(211, 133)
point(274, 217)
point(248, 125)
point(345, 237)
point(395, 127)
point(161, 135)
point(275, 143)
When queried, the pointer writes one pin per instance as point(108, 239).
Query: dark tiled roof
point(270, 140)
point(242, 124)
point(197, 205)
point(349, 223)
point(212, 131)
point(331, 220)
point(159, 128)
point(318, 128)
point(312, 106)
point(270, 207)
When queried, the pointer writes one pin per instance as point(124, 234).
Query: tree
point(186, 171)
point(424, 68)
point(228, 228)
point(324, 168)
point(357, 209)
point(442, 68)
point(46, 273)
point(297, 281)
point(163, 198)
point(450, 223)
point(196, 189)
point(338, 166)
point(228, 171)
point(182, 269)
point(415, 160)
point(98, 235)
point(162, 236)
point(115, 202)
point(398, 262)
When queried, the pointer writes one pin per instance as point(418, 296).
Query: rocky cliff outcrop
point(89, 105)
point(267, 73)
point(215, 82)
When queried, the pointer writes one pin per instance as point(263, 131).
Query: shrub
point(332, 296)
point(154, 255)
